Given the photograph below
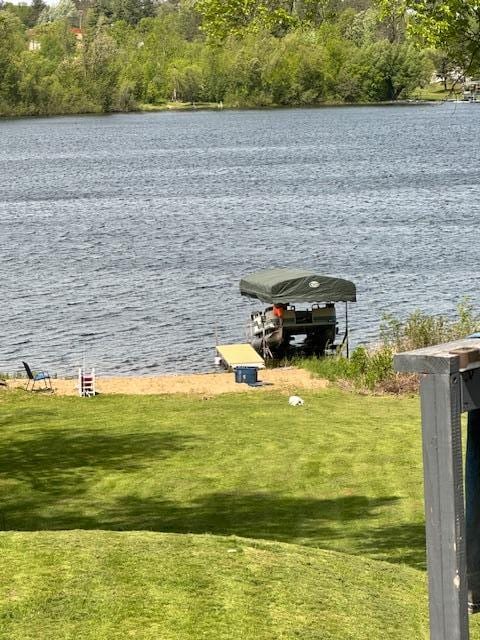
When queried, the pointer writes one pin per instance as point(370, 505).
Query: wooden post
point(444, 511)
point(448, 386)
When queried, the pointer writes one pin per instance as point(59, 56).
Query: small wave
point(22, 343)
point(154, 365)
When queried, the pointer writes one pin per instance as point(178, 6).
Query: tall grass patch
point(371, 368)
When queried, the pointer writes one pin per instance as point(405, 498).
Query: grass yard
point(436, 91)
point(233, 517)
point(103, 585)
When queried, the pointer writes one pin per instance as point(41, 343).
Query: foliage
point(100, 63)
point(452, 26)
point(27, 13)
point(63, 10)
point(223, 18)
point(394, 70)
point(372, 368)
point(422, 330)
point(273, 52)
point(393, 19)
point(130, 11)
point(366, 368)
point(446, 69)
point(12, 43)
point(57, 43)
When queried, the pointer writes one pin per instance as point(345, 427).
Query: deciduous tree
point(452, 26)
point(12, 43)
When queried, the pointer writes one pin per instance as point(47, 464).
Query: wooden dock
point(240, 355)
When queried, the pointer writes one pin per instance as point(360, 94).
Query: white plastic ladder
point(86, 383)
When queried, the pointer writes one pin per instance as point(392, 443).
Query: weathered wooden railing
point(450, 385)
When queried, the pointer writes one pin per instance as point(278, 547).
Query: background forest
point(119, 55)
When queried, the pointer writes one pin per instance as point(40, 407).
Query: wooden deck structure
point(450, 385)
point(240, 355)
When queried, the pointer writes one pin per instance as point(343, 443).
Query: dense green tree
point(36, 9)
point(452, 26)
point(186, 80)
point(316, 12)
point(221, 18)
point(188, 19)
point(274, 52)
point(445, 68)
point(146, 54)
point(393, 20)
point(359, 27)
point(243, 63)
point(63, 10)
point(131, 11)
point(56, 42)
point(101, 66)
point(22, 10)
point(215, 79)
point(295, 70)
point(392, 69)
point(12, 44)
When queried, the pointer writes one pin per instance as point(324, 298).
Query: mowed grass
point(342, 472)
point(103, 585)
point(232, 517)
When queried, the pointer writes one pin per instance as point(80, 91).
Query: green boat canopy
point(295, 285)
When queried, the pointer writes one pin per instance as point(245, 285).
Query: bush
point(372, 368)
point(422, 330)
point(366, 369)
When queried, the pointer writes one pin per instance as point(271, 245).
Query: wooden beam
point(450, 384)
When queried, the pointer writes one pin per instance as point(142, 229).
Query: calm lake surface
point(124, 237)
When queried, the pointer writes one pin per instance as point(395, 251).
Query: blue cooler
point(249, 375)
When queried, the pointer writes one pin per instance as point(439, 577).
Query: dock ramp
point(240, 355)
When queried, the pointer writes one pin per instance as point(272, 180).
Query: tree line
point(116, 55)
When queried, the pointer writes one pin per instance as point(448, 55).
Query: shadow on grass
point(337, 524)
point(55, 469)
point(25, 416)
point(58, 467)
point(406, 540)
point(56, 455)
point(253, 515)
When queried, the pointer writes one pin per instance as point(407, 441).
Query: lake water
point(124, 237)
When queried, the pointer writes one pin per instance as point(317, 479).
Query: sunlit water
point(124, 237)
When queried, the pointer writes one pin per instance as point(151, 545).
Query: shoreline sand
point(287, 379)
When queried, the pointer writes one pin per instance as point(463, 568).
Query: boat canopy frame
point(281, 286)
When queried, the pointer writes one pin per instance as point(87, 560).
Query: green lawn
point(437, 92)
point(100, 585)
point(341, 474)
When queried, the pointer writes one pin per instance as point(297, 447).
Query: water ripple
point(123, 238)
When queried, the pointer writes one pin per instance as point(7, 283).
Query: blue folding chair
point(38, 376)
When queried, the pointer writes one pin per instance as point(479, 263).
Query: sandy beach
point(288, 379)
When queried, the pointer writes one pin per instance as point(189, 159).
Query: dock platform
point(240, 355)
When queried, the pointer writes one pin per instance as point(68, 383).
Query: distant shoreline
point(213, 106)
point(207, 106)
